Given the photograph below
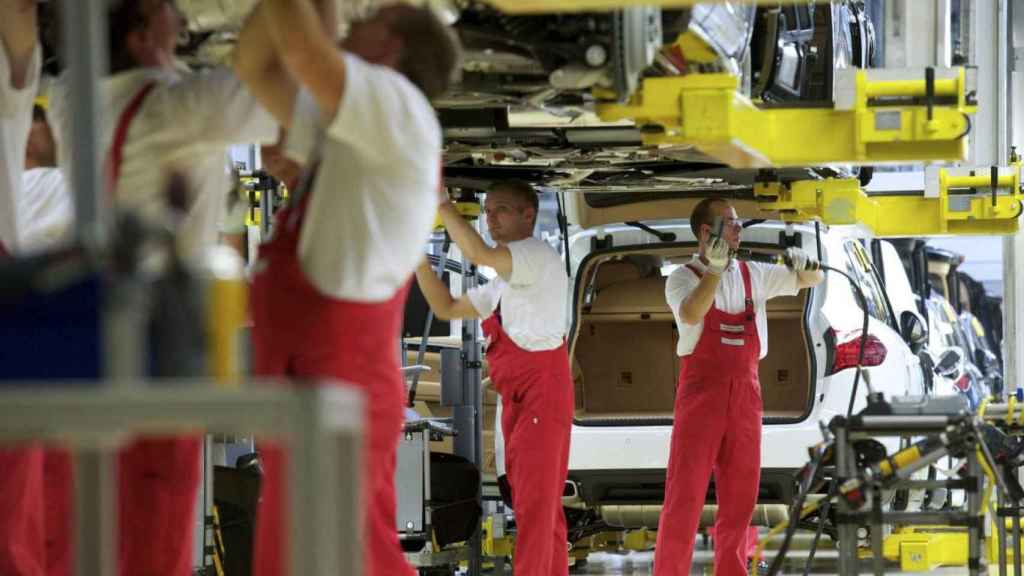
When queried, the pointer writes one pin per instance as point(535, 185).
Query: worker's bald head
point(413, 41)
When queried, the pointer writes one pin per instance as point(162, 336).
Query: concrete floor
point(639, 563)
point(825, 562)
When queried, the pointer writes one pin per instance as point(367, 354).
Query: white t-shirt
point(533, 301)
point(766, 282)
point(46, 210)
point(186, 123)
point(15, 121)
point(374, 199)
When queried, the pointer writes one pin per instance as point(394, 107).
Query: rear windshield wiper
point(663, 236)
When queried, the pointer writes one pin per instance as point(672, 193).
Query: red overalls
point(158, 482)
point(717, 427)
point(537, 409)
point(310, 337)
point(22, 514)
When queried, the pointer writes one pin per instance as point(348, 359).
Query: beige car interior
point(624, 352)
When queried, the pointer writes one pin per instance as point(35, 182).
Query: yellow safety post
point(226, 312)
point(877, 119)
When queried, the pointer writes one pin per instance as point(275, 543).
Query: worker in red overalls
point(719, 307)
point(524, 311)
point(329, 286)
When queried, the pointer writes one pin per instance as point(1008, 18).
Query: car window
point(858, 266)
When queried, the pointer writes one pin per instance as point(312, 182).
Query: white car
point(623, 342)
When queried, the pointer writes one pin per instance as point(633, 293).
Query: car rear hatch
point(623, 337)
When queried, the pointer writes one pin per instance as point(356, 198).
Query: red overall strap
point(116, 154)
point(748, 294)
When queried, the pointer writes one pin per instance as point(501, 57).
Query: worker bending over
point(719, 307)
point(525, 324)
point(329, 287)
point(159, 120)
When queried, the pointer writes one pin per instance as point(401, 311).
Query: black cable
point(833, 490)
point(563, 227)
point(812, 469)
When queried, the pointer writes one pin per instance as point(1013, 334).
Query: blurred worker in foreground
point(33, 539)
point(719, 307)
point(525, 324)
point(158, 120)
point(329, 287)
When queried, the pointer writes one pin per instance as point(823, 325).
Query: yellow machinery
point(880, 116)
point(957, 201)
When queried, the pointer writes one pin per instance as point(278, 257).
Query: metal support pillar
point(95, 511)
point(847, 531)
point(1013, 247)
point(471, 414)
point(917, 34)
point(975, 513)
point(266, 210)
point(85, 33)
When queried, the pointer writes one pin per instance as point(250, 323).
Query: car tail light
point(963, 383)
point(846, 350)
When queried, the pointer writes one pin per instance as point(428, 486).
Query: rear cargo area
point(623, 350)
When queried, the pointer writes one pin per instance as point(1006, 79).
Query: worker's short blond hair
point(522, 190)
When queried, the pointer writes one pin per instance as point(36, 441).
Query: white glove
point(718, 256)
point(798, 260)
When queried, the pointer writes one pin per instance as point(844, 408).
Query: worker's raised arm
point(258, 64)
point(304, 35)
point(439, 297)
point(805, 268)
point(695, 306)
point(18, 33)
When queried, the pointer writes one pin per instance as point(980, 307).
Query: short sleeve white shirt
point(186, 125)
point(15, 120)
point(45, 209)
point(374, 197)
point(534, 301)
point(767, 281)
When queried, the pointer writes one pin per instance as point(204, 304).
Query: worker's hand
point(799, 261)
point(718, 256)
point(442, 195)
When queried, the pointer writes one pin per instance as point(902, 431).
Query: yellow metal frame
point(708, 111)
point(924, 548)
point(842, 202)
